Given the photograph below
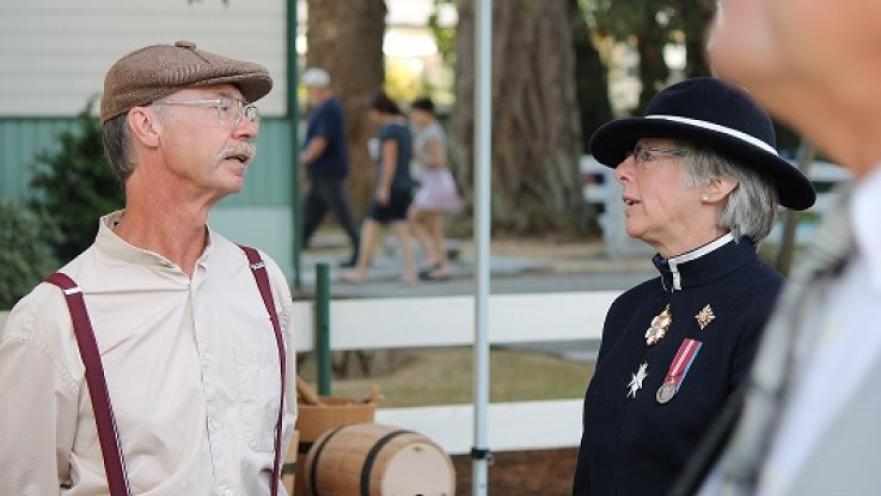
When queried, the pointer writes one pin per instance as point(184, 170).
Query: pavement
point(516, 266)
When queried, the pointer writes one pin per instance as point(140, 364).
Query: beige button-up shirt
point(191, 366)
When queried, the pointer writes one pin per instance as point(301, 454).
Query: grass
point(444, 376)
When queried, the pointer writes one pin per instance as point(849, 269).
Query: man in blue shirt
point(324, 154)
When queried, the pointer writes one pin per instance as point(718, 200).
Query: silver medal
point(666, 392)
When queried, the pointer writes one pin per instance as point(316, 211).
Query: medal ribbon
point(682, 362)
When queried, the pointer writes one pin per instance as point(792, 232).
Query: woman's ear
point(144, 126)
point(717, 189)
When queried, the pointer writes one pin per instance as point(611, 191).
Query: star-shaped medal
point(636, 379)
point(705, 316)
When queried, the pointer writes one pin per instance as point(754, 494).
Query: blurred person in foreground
point(327, 161)
point(701, 182)
point(154, 362)
point(394, 189)
point(437, 193)
point(808, 423)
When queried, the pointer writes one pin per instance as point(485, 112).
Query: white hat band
point(734, 133)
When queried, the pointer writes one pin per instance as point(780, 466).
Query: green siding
point(268, 182)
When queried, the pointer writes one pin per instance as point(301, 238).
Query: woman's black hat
point(709, 113)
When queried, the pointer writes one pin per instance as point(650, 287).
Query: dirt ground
point(523, 473)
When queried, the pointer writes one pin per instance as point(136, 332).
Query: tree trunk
point(591, 86)
point(345, 38)
point(536, 135)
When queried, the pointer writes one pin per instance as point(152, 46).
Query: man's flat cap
point(157, 71)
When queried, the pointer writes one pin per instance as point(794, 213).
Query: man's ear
point(144, 126)
point(718, 189)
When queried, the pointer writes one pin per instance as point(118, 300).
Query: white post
point(482, 189)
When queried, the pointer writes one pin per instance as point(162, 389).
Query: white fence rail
point(366, 324)
point(448, 321)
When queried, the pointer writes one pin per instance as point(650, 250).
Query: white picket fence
point(448, 321)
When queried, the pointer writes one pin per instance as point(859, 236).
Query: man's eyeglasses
point(644, 154)
point(228, 109)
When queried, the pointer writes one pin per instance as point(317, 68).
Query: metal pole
point(322, 327)
point(482, 188)
point(294, 118)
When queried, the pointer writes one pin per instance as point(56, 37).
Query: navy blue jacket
point(638, 446)
point(327, 121)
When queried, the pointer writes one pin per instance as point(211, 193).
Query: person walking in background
point(808, 424)
point(394, 189)
point(179, 329)
point(437, 193)
point(327, 161)
point(701, 183)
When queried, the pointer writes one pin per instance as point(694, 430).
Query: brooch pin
point(636, 379)
point(659, 326)
point(705, 316)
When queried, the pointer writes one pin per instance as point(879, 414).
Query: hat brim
point(612, 142)
point(253, 85)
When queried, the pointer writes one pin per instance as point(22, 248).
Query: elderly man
point(327, 161)
point(809, 423)
point(154, 362)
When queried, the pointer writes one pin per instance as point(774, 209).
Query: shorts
point(395, 210)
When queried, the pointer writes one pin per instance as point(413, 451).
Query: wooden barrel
point(377, 460)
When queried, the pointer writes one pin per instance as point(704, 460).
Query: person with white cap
point(327, 161)
point(701, 182)
point(158, 361)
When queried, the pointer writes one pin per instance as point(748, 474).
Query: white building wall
point(54, 53)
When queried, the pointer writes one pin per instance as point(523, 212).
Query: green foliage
point(25, 258)
point(653, 24)
point(75, 185)
point(444, 36)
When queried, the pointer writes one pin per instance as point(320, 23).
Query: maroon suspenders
point(114, 464)
point(258, 268)
point(108, 438)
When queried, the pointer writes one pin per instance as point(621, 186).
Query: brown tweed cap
point(156, 71)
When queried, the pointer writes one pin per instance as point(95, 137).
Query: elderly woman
point(701, 181)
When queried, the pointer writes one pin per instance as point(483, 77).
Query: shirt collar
point(704, 264)
point(109, 243)
point(865, 212)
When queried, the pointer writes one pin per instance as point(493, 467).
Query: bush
point(75, 186)
point(25, 257)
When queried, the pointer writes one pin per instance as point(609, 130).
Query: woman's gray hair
point(116, 146)
point(751, 206)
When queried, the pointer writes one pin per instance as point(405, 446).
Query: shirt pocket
point(259, 395)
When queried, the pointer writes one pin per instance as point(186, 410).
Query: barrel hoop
point(313, 472)
point(289, 469)
point(371, 457)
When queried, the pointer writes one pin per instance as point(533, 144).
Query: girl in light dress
point(437, 192)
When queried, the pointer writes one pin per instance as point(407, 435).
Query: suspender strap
point(258, 268)
point(108, 437)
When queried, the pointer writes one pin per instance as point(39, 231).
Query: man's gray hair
point(751, 206)
point(116, 146)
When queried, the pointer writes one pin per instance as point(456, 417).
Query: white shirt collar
point(866, 218)
point(688, 256)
